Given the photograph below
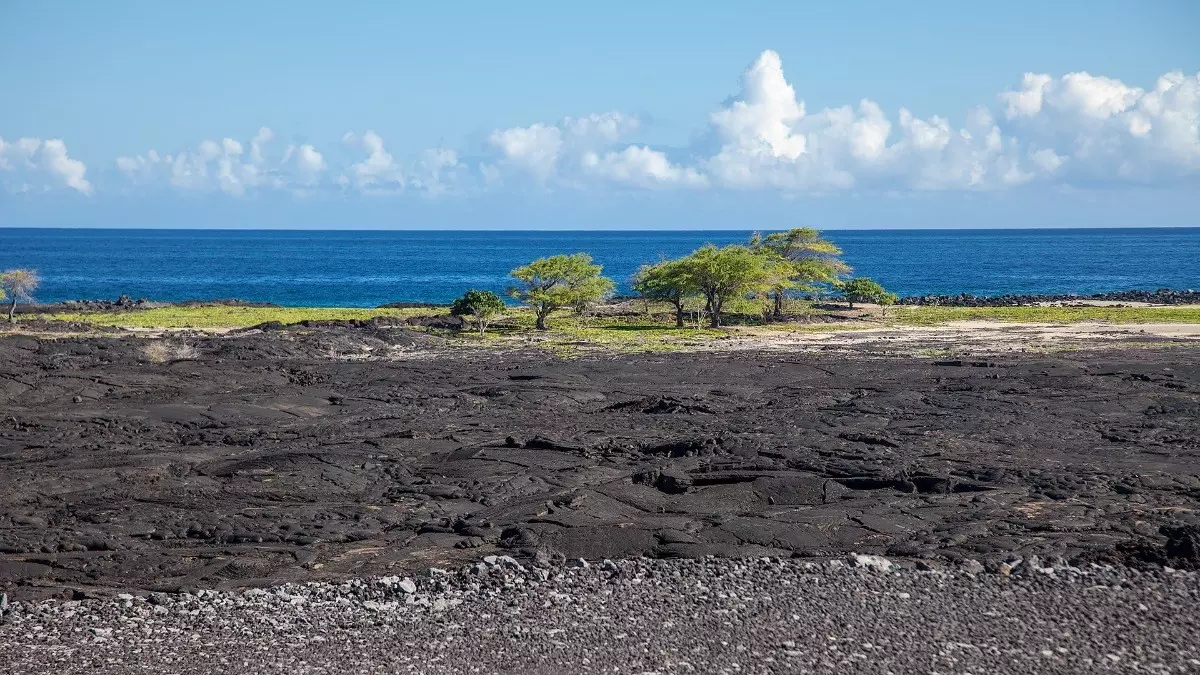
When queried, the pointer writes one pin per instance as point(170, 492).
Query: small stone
point(408, 586)
point(580, 563)
point(871, 563)
point(509, 562)
point(972, 567)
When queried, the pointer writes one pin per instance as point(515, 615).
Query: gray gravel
point(638, 616)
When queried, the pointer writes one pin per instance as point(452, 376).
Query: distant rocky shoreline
point(1162, 296)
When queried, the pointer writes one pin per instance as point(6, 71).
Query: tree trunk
point(541, 321)
point(12, 309)
point(778, 311)
point(714, 316)
point(679, 313)
point(851, 303)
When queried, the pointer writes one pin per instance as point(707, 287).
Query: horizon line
point(156, 228)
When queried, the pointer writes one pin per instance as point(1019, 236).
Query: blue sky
point(620, 114)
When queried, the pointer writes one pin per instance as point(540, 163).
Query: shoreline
point(1135, 297)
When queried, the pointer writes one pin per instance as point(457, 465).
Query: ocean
point(369, 268)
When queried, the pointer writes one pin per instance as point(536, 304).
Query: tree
point(813, 261)
point(559, 281)
point(727, 272)
point(18, 285)
point(668, 281)
point(863, 289)
point(482, 306)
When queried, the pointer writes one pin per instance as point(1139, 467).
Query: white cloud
point(640, 166)
point(309, 160)
point(378, 172)
point(534, 148)
point(1074, 129)
point(544, 149)
point(227, 167)
point(439, 172)
point(32, 159)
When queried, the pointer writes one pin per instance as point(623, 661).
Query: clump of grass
point(164, 351)
point(226, 317)
point(934, 316)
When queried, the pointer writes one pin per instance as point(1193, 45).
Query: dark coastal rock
point(328, 448)
point(1162, 296)
point(438, 321)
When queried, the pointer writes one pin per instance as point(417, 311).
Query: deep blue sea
point(368, 268)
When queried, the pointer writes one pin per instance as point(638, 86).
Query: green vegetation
point(936, 316)
point(729, 272)
point(221, 316)
point(18, 285)
point(806, 262)
point(746, 286)
point(864, 289)
point(482, 306)
point(670, 281)
point(559, 281)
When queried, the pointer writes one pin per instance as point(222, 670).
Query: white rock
point(408, 586)
point(872, 563)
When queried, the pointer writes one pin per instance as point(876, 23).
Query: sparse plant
point(164, 351)
point(483, 307)
point(863, 289)
point(547, 284)
point(18, 284)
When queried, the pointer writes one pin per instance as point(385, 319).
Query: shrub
point(481, 306)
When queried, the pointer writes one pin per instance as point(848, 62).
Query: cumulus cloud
point(378, 172)
point(642, 167)
point(1076, 128)
point(1104, 130)
point(1072, 129)
point(28, 162)
point(228, 166)
point(534, 148)
point(543, 149)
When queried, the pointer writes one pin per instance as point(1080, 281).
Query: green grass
point(934, 316)
point(223, 317)
point(641, 332)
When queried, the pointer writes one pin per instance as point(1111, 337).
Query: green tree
point(668, 281)
point(482, 306)
point(813, 261)
point(547, 284)
point(18, 285)
point(863, 289)
point(728, 272)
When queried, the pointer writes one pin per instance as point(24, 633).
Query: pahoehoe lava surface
point(263, 460)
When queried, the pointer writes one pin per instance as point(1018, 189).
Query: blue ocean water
point(368, 268)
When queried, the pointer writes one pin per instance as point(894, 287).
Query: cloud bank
point(1073, 130)
point(27, 163)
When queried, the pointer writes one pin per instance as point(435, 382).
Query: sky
point(667, 115)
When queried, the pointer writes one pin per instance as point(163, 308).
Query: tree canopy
point(558, 281)
point(668, 281)
point(481, 306)
point(864, 289)
point(730, 271)
point(18, 284)
point(809, 260)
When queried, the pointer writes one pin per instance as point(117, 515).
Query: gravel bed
point(858, 614)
